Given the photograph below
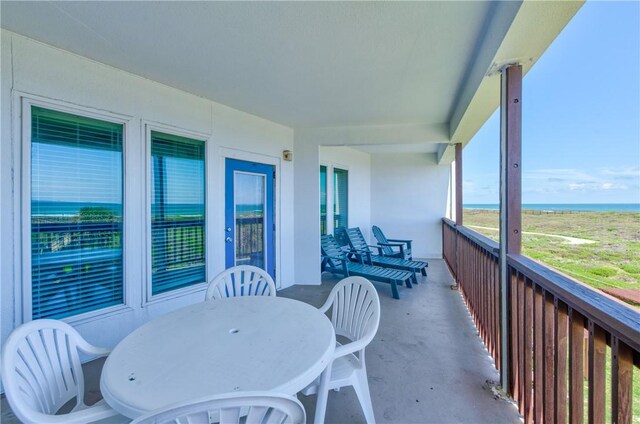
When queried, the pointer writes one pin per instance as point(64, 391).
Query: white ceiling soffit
point(415, 148)
point(364, 72)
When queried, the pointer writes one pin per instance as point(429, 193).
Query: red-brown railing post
point(458, 204)
point(510, 197)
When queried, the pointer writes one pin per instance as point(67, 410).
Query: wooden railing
point(572, 350)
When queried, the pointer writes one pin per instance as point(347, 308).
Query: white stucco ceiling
point(349, 65)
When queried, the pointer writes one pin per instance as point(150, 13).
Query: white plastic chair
point(257, 407)
point(355, 315)
point(241, 280)
point(41, 372)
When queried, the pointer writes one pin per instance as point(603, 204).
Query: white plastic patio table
point(215, 347)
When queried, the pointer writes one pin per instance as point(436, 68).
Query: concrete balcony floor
point(425, 365)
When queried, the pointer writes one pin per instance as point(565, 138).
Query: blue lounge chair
point(361, 251)
point(387, 245)
point(335, 260)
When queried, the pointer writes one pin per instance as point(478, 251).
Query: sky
point(580, 117)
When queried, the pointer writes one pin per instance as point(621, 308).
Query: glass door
point(249, 212)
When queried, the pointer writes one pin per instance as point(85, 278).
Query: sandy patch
point(569, 240)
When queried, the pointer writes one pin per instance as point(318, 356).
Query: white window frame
point(27, 101)
point(148, 297)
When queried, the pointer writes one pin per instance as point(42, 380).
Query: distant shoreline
point(564, 207)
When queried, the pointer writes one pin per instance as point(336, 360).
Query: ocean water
point(44, 207)
point(583, 207)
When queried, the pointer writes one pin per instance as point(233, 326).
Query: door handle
point(228, 239)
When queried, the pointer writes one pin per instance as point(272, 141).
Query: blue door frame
point(257, 228)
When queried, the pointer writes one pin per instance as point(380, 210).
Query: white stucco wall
point(310, 153)
point(409, 197)
point(34, 70)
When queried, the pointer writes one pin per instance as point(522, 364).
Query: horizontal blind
point(340, 198)
point(323, 200)
point(76, 214)
point(177, 212)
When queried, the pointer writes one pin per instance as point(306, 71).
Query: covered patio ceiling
point(368, 73)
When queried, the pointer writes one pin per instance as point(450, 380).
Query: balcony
point(426, 363)
point(437, 344)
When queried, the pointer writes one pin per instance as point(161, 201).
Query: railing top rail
point(616, 318)
point(449, 222)
point(484, 242)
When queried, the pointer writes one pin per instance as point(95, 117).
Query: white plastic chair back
point(41, 372)
point(355, 310)
point(252, 407)
point(241, 280)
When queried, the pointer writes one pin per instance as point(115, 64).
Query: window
point(76, 214)
point(323, 200)
point(177, 212)
point(340, 198)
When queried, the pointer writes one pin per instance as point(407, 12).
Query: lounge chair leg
point(408, 283)
point(394, 289)
point(424, 271)
point(414, 278)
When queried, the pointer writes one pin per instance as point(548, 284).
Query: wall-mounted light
point(287, 155)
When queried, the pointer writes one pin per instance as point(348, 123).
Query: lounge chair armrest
point(337, 258)
point(391, 244)
point(407, 242)
point(362, 253)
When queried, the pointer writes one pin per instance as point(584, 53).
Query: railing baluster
point(549, 356)
point(621, 382)
point(576, 367)
point(528, 351)
point(562, 320)
point(597, 351)
point(522, 325)
point(538, 329)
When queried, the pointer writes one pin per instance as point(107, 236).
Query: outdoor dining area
point(247, 349)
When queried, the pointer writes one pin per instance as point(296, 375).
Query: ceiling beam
point(376, 134)
point(530, 32)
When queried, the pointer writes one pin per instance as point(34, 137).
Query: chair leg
point(414, 279)
point(424, 271)
point(361, 387)
point(394, 289)
point(323, 396)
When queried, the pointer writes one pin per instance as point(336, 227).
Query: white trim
point(147, 289)
point(228, 153)
point(25, 102)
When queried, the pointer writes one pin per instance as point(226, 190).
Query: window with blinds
point(76, 214)
point(177, 212)
point(323, 200)
point(340, 198)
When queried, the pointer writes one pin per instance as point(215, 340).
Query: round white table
point(215, 347)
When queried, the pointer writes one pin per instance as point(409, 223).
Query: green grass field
point(612, 261)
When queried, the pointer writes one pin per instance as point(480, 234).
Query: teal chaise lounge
point(335, 260)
